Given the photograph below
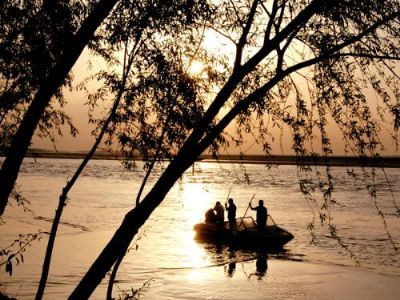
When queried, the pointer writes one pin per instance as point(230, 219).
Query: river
point(165, 261)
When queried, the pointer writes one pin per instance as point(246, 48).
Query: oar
point(229, 193)
point(246, 210)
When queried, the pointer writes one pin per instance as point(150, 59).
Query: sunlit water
point(165, 258)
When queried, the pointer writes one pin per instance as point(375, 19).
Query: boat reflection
point(261, 266)
point(230, 269)
point(237, 260)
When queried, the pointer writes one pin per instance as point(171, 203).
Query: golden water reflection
point(196, 200)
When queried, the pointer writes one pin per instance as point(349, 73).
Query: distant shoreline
point(386, 161)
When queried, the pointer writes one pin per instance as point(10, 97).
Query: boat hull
point(272, 237)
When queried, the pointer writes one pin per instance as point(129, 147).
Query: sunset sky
point(84, 140)
point(216, 46)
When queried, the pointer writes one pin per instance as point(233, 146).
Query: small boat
point(246, 234)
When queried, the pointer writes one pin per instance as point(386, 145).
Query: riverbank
point(385, 161)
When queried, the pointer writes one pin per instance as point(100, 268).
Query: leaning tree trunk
point(199, 140)
point(55, 79)
point(64, 196)
point(129, 227)
point(134, 219)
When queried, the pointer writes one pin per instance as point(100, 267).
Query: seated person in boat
point(262, 213)
point(219, 212)
point(210, 216)
point(231, 209)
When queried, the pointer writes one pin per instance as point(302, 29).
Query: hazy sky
point(84, 140)
point(79, 113)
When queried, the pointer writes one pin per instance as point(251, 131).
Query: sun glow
point(196, 68)
point(196, 200)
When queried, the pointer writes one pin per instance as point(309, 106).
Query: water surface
point(165, 253)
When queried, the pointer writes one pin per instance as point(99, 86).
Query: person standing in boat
point(219, 213)
point(231, 209)
point(262, 213)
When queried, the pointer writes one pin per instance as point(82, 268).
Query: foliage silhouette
point(55, 76)
point(336, 42)
point(296, 64)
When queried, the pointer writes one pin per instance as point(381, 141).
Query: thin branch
point(280, 18)
point(372, 192)
point(64, 195)
point(243, 38)
point(367, 31)
point(223, 34)
point(152, 164)
point(271, 19)
point(245, 103)
point(249, 66)
point(236, 11)
point(302, 18)
point(370, 56)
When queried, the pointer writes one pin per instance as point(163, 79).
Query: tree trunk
point(23, 137)
point(132, 222)
point(63, 198)
point(134, 219)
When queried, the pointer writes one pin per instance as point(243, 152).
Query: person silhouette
point(231, 209)
point(262, 213)
point(219, 213)
point(210, 216)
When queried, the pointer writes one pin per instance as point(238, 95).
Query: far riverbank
point(384, 161)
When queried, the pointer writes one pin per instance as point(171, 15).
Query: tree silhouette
point(331, 46)
point(300, 64)
point(164, 77)
point(54, 76)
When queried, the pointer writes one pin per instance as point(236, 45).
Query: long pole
point(229, 193)
point(246, 211)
